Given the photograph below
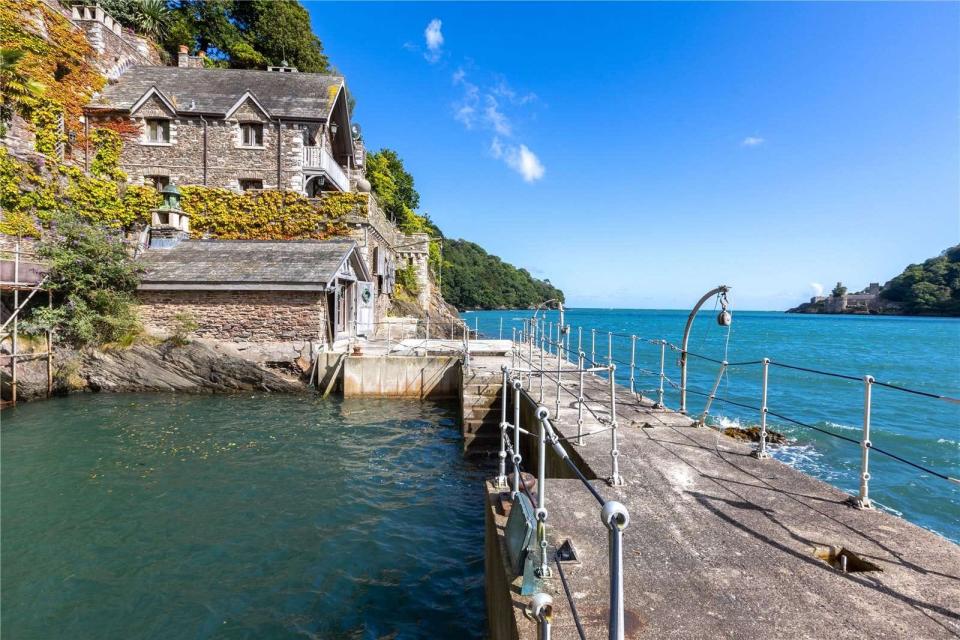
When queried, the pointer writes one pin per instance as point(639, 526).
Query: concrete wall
point(430, 377)
point(244, 316)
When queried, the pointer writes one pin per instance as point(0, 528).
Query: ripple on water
point(242, 516)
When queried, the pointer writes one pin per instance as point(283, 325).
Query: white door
point(366, 298)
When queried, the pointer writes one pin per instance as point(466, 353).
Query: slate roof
point(307, 96)
point(302, 265)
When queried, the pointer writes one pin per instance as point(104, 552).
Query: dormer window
point(158, 131)
point(251, 134)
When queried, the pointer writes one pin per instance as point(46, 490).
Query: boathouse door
point(365, 302)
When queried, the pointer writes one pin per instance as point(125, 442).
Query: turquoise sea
point(918, 353)
point(243, 516)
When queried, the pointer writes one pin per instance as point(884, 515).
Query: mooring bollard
point(633, 362)
point(761, 452)
point(582, 357)
point(541, 512)
point(541, 610)
point(616, 518)
point(863, 500)
point(517, 458)
point(663, 356)
point(502, 476)
point(615, 479)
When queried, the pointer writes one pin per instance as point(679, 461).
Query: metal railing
point(553, 342)
point(613, 515)
point(862, 499)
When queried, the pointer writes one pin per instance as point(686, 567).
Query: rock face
point(194, 368)
point(197, 367)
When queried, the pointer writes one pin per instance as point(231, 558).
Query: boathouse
point(259, 291)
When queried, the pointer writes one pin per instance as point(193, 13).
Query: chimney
point(183, 58)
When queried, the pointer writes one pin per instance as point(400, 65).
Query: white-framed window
point(158, 131)
point(251, 134)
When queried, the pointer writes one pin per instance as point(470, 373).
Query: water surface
point(163, 516)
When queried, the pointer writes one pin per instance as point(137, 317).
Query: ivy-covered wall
point(32, 193)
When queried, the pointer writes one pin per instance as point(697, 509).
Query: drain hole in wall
point(843, 559)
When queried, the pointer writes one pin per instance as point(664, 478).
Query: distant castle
point(865, 302)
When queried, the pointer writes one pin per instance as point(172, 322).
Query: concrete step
point(475, 389)
point(482, 401)
point(480, 427)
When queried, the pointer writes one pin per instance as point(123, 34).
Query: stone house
point(233, 128)
point(315, 291)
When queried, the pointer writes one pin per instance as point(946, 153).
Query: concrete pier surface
point(719, 543)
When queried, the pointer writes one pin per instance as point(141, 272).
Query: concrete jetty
point(719, 543)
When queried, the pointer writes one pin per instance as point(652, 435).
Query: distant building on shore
point(867, 301)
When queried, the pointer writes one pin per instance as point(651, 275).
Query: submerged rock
point(752, 434)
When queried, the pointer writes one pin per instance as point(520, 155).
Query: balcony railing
point(320, 158)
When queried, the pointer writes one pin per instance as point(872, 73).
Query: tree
point(93, 280)
point(20, 92)
point(839, 291)
point(246, 34)
point(931, 288)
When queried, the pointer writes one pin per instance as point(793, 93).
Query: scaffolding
point(22, 277)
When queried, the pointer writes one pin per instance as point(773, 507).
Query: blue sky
point(639, 154)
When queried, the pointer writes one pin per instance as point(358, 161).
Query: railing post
point(501, 328)
point(633, 362)
point(541, 368)
point(502, 476)
point(550, 339)
point(616, 518)
point(427, 331)
point(580, 340)
point(593, 347)
point(541, 512)
point(683, 382)
point(615, 478)
point(580, 401)
point(541, 610)
point(517, 458)
point(513, 348)
point(863, 500)
point(761, 452)
point(609, 347)
point(559, 382)
point(663, 357)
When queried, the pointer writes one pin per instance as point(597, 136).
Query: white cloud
point(817, 288)
point(496, 118)
point(485, 108)
point(519, 158)
point(434, 37)
point(752, 141)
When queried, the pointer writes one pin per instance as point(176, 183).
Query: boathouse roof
point(299, 96)
point(237, 265)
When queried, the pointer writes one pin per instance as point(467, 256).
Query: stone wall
point(227, 161)
point(117, 48)
point(244, 316)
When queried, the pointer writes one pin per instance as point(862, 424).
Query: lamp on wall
point(333, 129)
